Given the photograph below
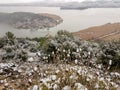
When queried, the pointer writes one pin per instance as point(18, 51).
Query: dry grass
point(67, 75)
point(104, 32)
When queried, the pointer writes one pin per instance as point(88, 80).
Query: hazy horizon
point(27, 1)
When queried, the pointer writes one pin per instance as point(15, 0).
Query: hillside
point(105, 32)
point(58, 63)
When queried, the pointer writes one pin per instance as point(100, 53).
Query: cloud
point(17, 1)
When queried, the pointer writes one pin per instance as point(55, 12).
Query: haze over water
point(74, 20)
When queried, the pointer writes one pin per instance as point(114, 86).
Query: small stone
point(6, 85)
point(57, 71)
point(55, 87)
point(64, 51)
point(110, 62)
point(80, 86)
point(53, 77)
point(30, 59)
point(35, 87)
point(100, 66)
point(76, 61)
point(39, 54)
point(68, 55)
point(1, 81)
point(96, 86)
point(20, 70)
point(53, 53)
point(44, 57)
point(66, 88)
point(89, 53)
point(35, 68)
point(77, 50)
point(1, 70)
point(30, 81)
point(98, 73)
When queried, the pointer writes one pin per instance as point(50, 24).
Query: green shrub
point(1, 43)
point(10, 35)
point(110, 52)
point(9, 50)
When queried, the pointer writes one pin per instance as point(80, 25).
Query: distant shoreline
point(71, 5)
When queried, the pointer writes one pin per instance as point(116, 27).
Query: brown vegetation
point(105, 32)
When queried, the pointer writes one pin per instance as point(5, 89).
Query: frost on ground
point(58, 63)
point(39, 76)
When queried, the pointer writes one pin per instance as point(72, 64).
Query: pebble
point(6, 84)
point(76, 61)
point(55, 87)
point(35, 68)
point(30, 59)
point(80, 86)
point(66, 88)
point(53, 77)
point(35, 87)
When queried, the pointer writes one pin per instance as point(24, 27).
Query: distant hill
point(72, 5)
point(93, 4)
point(105, 32)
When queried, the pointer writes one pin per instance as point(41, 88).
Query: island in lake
point(27, 20)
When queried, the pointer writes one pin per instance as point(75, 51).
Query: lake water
point(74, 20)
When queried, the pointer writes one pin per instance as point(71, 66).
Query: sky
point(25, 1)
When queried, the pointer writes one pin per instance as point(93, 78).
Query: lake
point(74, 20)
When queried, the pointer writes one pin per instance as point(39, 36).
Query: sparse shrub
point(10, 35)
point(22, 56)
point(110, 52)
point(42, 41)
point(1, 43)
point(33, 49)
point(64, 33)
point(63, 36)
point(8, 50)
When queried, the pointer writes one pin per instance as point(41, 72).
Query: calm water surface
point(74, 20)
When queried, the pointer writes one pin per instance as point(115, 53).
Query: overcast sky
point(25, 1)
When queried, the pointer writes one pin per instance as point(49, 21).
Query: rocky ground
point(62, 62)
point(40, 76)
